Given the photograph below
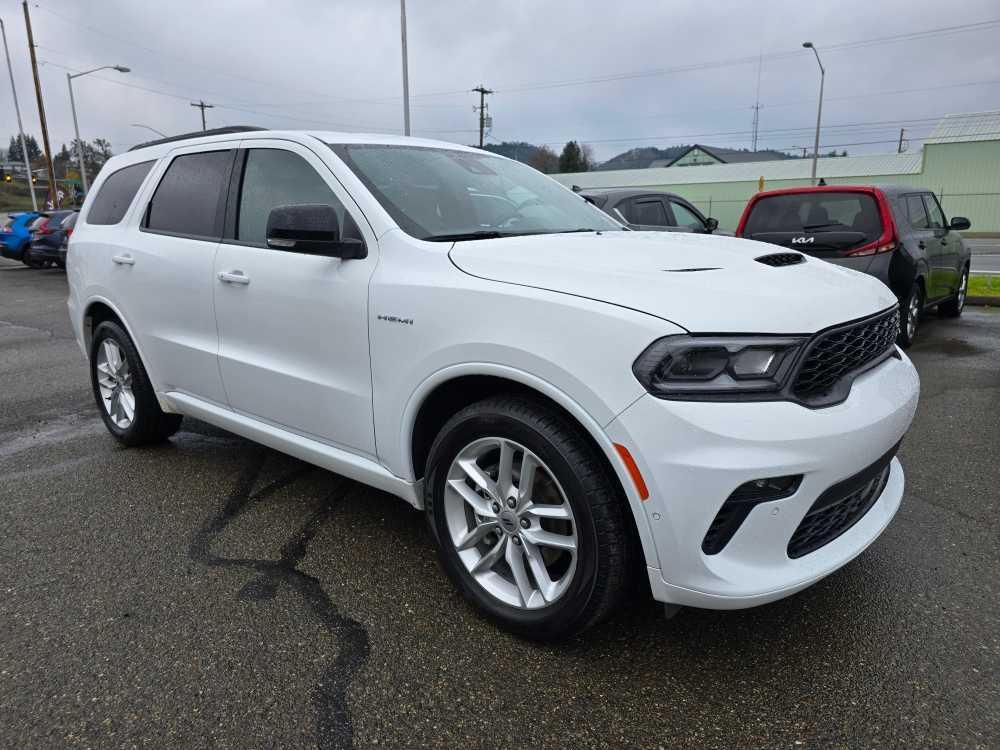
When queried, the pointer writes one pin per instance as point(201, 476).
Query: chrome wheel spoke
point(515, 559)
point(547, 539)
point(479, 504)
point(526, 480)
point(477, 534)
point(491, 558)
point(479, 477)
point(558, 512)
point(546, 586)
point(505, 470)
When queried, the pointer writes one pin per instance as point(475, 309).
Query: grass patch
point(984, 285)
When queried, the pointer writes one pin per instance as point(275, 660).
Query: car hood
point(704, 283)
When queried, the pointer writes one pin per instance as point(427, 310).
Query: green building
point(960, 161)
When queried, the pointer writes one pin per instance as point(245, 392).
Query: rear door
point(161, 268)
point(293, 328)
point(927, 242)
point(944, 262)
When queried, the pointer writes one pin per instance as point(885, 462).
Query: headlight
point(707, 367)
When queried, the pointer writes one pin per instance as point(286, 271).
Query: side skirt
point(339, 461)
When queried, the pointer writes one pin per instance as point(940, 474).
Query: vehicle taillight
point(874, 249)
point(43, 228)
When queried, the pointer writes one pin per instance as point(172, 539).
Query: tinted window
point(934, 212)
point(916, 213)
point(116, 194)
point(816, 212)
point(188, 197)
point(685, 217)
point(651, 213)
point(70, 221)
point(277, 178)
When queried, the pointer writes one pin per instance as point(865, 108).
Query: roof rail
point(198, 134)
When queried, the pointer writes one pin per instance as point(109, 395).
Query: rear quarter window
point(117, 193)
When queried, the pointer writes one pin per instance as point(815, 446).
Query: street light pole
point(158, 132)
point(76, 127)
point(819, 111)
point(20, 127)
point(406, 72)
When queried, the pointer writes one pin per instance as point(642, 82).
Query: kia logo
point(802, 240)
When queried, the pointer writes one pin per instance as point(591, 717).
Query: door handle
point(922, 245)
point(123, 260)
point(234, 277)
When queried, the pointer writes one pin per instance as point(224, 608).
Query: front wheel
point(530, 523)
point(953, 307)
point(909, 317)
point(29, 259)
point(123, 392)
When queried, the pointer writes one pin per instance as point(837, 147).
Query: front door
point(945, 263)
point(293, 328)
point(927, 240)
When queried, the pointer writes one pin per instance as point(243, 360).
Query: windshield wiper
point(482, 234)
point(808, 227)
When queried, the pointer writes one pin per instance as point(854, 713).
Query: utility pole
point(202, 106)
point(20, 127)
point(482, 110)
point(819, 110)
point(41, 107)
point(406, 71)
point(756, 105)
point(899, 148)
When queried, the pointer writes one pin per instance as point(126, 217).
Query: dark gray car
point(651, 210)
point(896, 233)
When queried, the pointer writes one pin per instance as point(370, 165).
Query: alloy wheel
point(511, 523)
point(913, 315)
point(114, 379)
point(963, 288)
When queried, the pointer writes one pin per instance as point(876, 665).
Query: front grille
point(780, 259)
point(840, 507)
point(843, 352)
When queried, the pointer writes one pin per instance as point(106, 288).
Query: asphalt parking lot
point(211, 592)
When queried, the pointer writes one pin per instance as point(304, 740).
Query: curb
point(987, 301)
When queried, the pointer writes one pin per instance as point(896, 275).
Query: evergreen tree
point(572, 159)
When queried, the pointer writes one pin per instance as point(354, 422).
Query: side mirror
point(959, 223)
point(313, 229)
point(711, 224)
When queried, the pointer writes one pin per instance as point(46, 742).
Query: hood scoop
point(781, 259)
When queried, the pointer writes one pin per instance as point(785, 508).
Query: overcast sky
point(335, 64)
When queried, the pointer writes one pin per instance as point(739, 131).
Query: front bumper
point(693, 455)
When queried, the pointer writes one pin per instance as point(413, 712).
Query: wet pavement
point(211, 592)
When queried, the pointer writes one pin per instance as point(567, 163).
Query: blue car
point(15, 235)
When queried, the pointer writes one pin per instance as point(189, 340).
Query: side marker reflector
point(633, 470)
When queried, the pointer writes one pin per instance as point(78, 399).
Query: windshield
point(445, 194)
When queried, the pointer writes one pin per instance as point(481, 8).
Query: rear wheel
point(123, 392)
point(909, 317)
point(29, 259)
point(953, 307)
point(529, 524)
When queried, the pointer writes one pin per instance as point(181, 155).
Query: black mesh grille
point(842, 351)
point(780, 259)
point(840, 507)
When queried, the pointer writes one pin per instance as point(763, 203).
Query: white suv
point(569, 401)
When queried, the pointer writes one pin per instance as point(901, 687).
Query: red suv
point(895, 233)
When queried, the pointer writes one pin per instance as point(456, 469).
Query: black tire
point(606, 541)
point(909, 315)
point(28, 259)
point(953, 307)
point(150, 424)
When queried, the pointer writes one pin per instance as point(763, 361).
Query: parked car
point(647, 210)
point(14, 234)
point(571, 404)
point(47, 235)
point(897, 234)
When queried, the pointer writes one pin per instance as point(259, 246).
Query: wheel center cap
point(508, 521)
